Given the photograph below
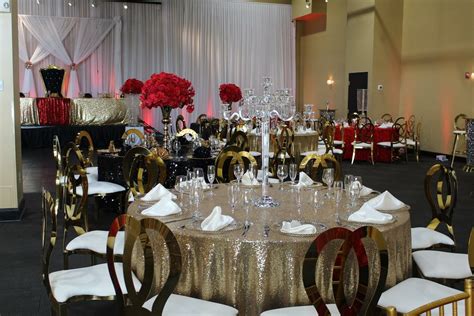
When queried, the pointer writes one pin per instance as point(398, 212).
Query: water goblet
point(282, 173)
point(293, 172)
point(328, 178)
point(238, 172)
point(199, 174)
point(196, 198)
point(190, 175)
point(211, 176)
point(348, 178)
point(181, 186)
point(338, 191)
point(317, 200)
point(233, 193)
point(354, 191)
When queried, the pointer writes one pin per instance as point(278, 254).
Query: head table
point(257, 272)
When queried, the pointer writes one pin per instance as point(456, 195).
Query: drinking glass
point(354, 191)
point(176, 147)
point(199, 174)
point(233, 193)
point(282, 173)
point(190, 175)
point(328, 177)
point(247, 201)
point(253, 169)
point(338, 191)
point(238, 172)
point(293, 172)
point(317, 200)
point(196, 197)
point(348, 178)
point(211, 175)
point(181, 186)
point(297, 193)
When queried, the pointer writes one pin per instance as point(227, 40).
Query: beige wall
point(11, 191)
point(437, 48)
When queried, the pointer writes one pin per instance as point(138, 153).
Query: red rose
point(229, 92)
point(132, 86)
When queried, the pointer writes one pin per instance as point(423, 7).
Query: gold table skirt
point(98, 111)
point(28, 112)
point(257, 273)
point(302, 142)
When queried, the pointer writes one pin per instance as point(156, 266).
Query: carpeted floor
point(21, 288)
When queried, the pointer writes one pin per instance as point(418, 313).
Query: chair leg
point(62, 310)
point(353, 155)
point(453, 153)
point(417, 152)
point(65, 260)
point(372, 155)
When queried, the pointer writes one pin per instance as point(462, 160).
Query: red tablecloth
point(380, 135)
point(53, 111)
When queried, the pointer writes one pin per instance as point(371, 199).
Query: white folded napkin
point(216, 221)
point(386, 202)
point(260, 175)
point(304, 180)
point(164, 207)
point(247, 179)
point(157, 193)
point(295, 227)
point(368, 214)
point(365, 191)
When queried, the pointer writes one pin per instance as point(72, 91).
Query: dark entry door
point(357, 80)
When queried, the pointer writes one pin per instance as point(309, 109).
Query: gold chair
point(286, 139)
point(75, 285)
point(398, 142)
point(314, 164)
point(387, 118)
point(180, 123)
point(134, 137)
point(458, 132)
point(146, 172)
point(240, 140)
point(367, 247)
point(352, 118)
point(441, 193)
point(363, 140)
point(92, 243)
point(414, 138)
point(143, 300)
point(225, 162)
point(59, 179)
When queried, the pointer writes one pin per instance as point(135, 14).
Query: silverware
point(266, 231)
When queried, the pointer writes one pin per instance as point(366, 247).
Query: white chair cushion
point(443, 265)
point(414, 292)
point(96, 240)
point(255, 153)
point(101, 187)
point(338, 142)
point(93, 280)
point(184, 305)
point(92, 174)
point(299, 311)
point(320, 151)
point(459, 132)
point(271, 154)
point(423, 237)
point(361, 145)
point(411, 142)
point(388, 144)
point(337, 151)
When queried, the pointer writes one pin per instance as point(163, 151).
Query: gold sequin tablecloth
point(98, 111)
point(302, 142)
point(28, 112)
point(257, 273)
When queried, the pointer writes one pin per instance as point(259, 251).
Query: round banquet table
point(255, 272)
point(302, 142)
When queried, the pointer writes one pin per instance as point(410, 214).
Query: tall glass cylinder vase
point(133, 108)
point(166, 111)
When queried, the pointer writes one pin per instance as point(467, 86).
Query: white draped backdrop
point(208, 42)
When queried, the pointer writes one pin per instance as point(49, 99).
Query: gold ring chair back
point(239, 139)
point(400, 120)
point(286, 139)
point(441, 188)
point(128, 160)
point(59, 180)
point(84, 138)
point(460, 122)
point(145, 173)
point(180, 123)
point(73, 156)
point(387, 117)
point(314, 165)
point(48, 241)
point(140, 234)
point(366, 245)
point(225, 161)
point(135, 132)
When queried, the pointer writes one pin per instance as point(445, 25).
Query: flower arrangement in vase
point(167, 91)
point(131, 88)
point(229, 93)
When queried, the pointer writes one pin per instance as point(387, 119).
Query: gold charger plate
point(319, 228)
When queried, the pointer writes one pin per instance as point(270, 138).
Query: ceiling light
point(308, 4)
point(93, 4)
point(69, 3)
point(125, 6)
point(38, 2)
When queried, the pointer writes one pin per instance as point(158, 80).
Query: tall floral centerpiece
point(131, 90)
point(167, 91)
point(229, 93)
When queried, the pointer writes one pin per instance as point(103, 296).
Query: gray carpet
point(21, 288)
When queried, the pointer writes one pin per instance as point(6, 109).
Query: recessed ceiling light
point(125, 6)
point(93, 4)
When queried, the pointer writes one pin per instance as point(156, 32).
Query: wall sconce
point(330, 82)
point(469, 75)
point(308, 4)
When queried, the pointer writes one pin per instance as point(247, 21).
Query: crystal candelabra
point(279, 104)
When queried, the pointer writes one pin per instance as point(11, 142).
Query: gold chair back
point(48, 240)
point(314, 165)
point(146, 172)
point(460, 122)
point(83, 137)
point(364, 133)
point(286, 139)
point(337, 244)
point(180, 123)
point(411, 125)
point(73, 156)
point(128, 160)
point(400, 120)
point(441, 192)
point(225, 162)
point(59, 180)
point(140, 234)
point(239, 139)
point(387, 117)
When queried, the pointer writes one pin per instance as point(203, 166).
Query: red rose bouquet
point(167, 90)
point(229, 92)
point(132, 86)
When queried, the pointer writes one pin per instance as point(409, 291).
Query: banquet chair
point(446, 266)
point(339, 143)
point(146, 171)
point(329, 134)
point(53, 78)
point(441, 193)
point(458, 132)
point(400, 120)
point(413, 139)
point(363, 140)
point(93, 242)
point(225, 162)
point(239, 139)
point(387, 118)
point(314, 165)
point(398, 142)
point(215, 127)
point(59, 178)
point(84, 142)
point(133, 137)
point(327, 292)
point(352, 118)
point(68, 286)
point(180, 123)
point(145, 300)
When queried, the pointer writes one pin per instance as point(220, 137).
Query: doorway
point(357, 80)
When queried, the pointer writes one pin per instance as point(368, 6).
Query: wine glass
point(348, 178)
point(233, 193)
point(317, 200)
point(196, 197)
point(199, 174)
point(252, 173)
point(282, 173)
point(238, 172)
point(176, 147)
point(328, 177)
point(211, 175)
point(355, 188)
point(338, 191)
point(293, 172)
point(181, 186)
point(190, 175)
point(247, 201)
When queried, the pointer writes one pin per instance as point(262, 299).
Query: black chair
point(53, 78)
